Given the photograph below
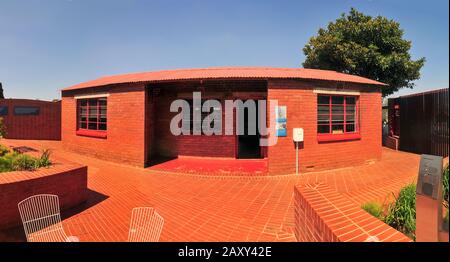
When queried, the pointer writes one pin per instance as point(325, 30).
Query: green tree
point(367, 46)
point(2, 128)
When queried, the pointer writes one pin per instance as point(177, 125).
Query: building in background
point(31, 119)
point(418, 123)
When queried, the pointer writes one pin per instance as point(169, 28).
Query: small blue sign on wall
point(281, 119)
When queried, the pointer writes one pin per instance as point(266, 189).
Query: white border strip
point(335, 92)
point(91, 96)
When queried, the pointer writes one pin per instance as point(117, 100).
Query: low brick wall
point(68, 181)
point(324, 215)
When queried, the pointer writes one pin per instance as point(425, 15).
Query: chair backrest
point(41, 218)
point(146, 225)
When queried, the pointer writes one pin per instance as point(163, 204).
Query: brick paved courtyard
point(211, 208)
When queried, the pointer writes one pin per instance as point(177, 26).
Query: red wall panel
point(301, 102)
point(46, 125)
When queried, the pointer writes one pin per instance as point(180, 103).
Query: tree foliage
point(367, 46)
point(1, 91)
point(2, 128)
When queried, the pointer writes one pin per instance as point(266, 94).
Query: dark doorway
point(248, 143)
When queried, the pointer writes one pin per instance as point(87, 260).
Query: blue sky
point(46, 45)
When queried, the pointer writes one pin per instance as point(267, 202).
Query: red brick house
point(126, 118)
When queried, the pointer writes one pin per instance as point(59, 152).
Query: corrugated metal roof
point(226, 73)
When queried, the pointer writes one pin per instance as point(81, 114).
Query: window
point(189, 120)
point(337, 117)
point(92, 117)
point(3, 110)
point(26, 110)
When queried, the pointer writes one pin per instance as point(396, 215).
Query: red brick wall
point(323, 215)
point(139, 126)
point(69, 182)
point(46, 125)
point(301, 104)
point(167, 144)
point(126, 113)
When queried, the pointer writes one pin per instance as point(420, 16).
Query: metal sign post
point(296, 158)
point(297, 137)
point(429, 199)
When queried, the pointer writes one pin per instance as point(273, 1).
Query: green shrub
point(5, 165)
point(445, 186)
point(373, 208)
point(402, 213)
point(14, 161)
point(25, 162)
point(2, 128)
point(4, 150)
point(44, 160)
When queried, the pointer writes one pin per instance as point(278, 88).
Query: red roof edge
point(226, 73)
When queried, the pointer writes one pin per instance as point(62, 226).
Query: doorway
point(248, 142)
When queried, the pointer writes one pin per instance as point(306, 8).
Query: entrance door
point(248, 143)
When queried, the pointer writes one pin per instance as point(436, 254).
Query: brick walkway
point(211, 208)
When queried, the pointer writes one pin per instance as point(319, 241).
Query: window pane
point(337, 129)
point(350, 128)
point(350, 118)
point(350, 100)
point(103, 110)
point(337, 110)
point(338, 118)
point(337, 100)
point(323, 109)
point(93, 111)
point(102, 101)
point(323, 118)
point(93, 114)
point(323, 100)
point(338, 114)
point(26, 110)
point(350, 109)
point(3, 110)
point(323, 129)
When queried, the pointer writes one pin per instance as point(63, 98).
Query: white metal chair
point(146, 225)
point(42, 220)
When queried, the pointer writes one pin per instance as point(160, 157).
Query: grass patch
point(445, 186)
point(401, 214)
point(373, 208)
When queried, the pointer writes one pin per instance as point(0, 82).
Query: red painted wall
point(126, 114)
point(166, 144)
point(301, 104)
point(68, 181)
point(45, 126)
point(139, 127)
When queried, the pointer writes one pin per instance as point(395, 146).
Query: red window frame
point(88, 130)
point(346, 135)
